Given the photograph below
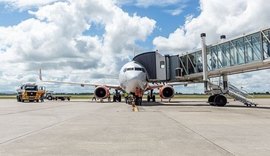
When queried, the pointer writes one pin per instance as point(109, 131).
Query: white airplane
point(133, 80)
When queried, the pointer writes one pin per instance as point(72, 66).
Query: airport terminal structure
point(249, 52)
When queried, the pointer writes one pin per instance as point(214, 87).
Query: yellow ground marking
point(134, 108)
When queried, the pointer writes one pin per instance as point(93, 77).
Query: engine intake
point(102, 92)
point(166, 92)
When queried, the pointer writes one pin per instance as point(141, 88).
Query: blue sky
point(166, 22)
point(11, 16)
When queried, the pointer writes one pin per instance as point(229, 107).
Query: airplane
point(133, 80)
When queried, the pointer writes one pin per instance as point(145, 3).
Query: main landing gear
point(151, 97)
point(217, 100)
point(117, 96)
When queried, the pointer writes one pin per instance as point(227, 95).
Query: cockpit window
point(136, 69)
point(140, 69)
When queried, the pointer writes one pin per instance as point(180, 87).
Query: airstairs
point(241, 95)
point(234, 92)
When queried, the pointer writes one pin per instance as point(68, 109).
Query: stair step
point(240, 96)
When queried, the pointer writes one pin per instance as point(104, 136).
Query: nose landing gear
point(138, 100)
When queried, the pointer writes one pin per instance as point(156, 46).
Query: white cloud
point(176, 11)
point(228, 17)
point(217, 17)
point(54, 41)
point(252, 82)
point(148, 3)
point(162, 3)
point(177, 5)
point(23, 4)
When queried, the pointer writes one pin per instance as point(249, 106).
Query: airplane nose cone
point(134, 80)
point(132, 76)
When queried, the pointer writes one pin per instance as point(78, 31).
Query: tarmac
point(86, 128)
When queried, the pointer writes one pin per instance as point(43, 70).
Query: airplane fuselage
point(132, 75)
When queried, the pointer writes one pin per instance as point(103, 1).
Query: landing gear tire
point(148, 98)
point(19, 99)
point(153, 98)
point(119, 98)
point(220, 100)
point(114, 98)
point(49, 98)
point(211, 99)
point(138, 101)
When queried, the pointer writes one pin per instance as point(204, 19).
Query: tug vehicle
point(30, 92)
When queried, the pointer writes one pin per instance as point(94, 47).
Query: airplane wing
point(155, 86)
point(82, 84)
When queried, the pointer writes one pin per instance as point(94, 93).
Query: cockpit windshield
point(136, 69)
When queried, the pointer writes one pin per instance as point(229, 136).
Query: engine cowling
point(166, 92)
point(102, 92)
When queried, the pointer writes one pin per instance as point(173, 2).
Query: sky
point(89, 40)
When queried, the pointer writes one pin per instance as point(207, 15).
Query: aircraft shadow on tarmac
point(198, 103)
point(184, 104)
point(175, 103)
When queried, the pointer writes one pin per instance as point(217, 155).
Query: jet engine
point(166, 92)
point(102, 92)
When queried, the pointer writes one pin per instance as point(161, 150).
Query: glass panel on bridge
point(242, 50)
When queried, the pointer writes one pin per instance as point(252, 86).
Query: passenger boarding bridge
point(250, 52)
point(246, 53)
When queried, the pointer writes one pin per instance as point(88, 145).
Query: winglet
point(40, 75)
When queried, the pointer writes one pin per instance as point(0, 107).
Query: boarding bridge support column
point(204, 60)
point(225, 82)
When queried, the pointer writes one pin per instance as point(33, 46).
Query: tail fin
point(40, 75)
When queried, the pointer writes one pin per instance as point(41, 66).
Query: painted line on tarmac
point(135, 108)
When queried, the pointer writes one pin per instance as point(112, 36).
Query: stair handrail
point(242, 92)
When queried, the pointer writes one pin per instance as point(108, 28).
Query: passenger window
point(162, 64)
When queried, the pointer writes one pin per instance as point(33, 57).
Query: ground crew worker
point(126, 96)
